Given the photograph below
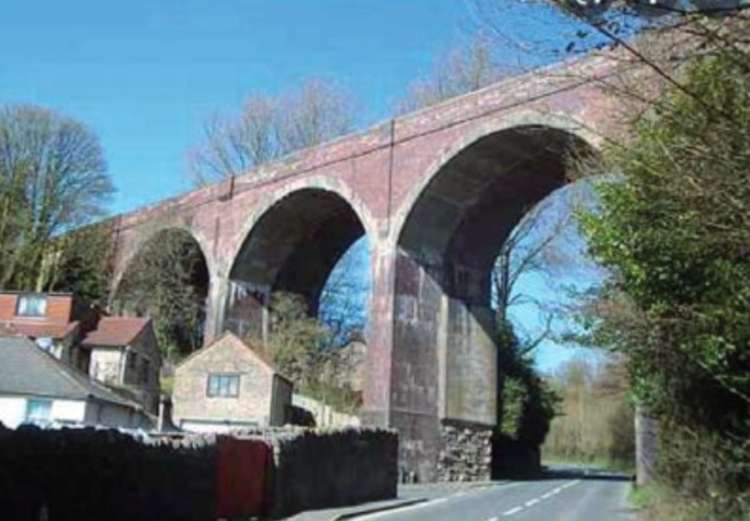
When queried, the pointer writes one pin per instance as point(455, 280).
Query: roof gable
point(116, 331)
point(27, 369)
point(230, 339)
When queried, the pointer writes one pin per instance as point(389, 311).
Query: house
point(118, 351)
point(37, 387)
point(49, 319)
point(228, 385)
point(123, 353)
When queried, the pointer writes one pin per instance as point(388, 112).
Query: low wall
point(102, 475)
point(87, 474)
point(317, 468)
point(466, 453)
point(325, 415)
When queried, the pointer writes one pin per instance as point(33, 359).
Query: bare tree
point(546, 242)
point(317, 112)
point(269, 127)
point(459, 71)
point(53, 179)
point(232, 146)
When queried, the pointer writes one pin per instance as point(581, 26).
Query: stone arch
point(444, 359)
point(142, 236)
point(469, 136)
point(131, 287)
point(291, 243)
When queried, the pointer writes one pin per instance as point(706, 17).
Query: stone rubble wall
point(325, 415)
point(320, 468)
point(88, 474)
point(466, 453)
point(102, 475)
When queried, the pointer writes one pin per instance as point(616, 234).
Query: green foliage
point(81, 264)
point(527, 404)
point(53, 180)
point(675, 230)
point(168, 281)
point(308, 353)
point(594, 422)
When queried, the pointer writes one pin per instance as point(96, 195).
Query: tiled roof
point(28, 370)
point(116, 331)
point(39, 329)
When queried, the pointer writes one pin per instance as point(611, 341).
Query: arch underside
point(167, 262)
point(292, 248)
point(444, 354)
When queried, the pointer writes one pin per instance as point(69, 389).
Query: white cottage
point(35, 387)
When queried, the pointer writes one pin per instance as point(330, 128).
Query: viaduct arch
point(436, 192)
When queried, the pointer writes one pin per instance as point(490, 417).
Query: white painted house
point(35, 387)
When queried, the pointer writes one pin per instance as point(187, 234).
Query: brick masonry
point(434, 191)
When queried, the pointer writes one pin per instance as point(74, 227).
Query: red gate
point(241, 467)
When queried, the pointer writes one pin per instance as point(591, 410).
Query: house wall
point(253, 405)
point(105, 364)
point(13, 410)
point(144, 378)
point(59, 307)
point(113, 415)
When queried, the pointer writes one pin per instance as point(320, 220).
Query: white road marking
point(534, 501)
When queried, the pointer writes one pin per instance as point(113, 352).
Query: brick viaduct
point(436, 192)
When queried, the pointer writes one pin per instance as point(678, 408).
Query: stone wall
point(466, 453)
point(318, 468)
point(101, 475)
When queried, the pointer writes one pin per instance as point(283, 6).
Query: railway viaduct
point(435, 191)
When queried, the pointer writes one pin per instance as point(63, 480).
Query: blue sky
point(145, 74)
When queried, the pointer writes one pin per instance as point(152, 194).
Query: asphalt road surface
point(562, 495)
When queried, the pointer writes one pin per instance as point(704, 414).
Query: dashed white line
point(534, 501)
point(512, 511)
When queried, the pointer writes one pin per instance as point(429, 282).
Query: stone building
point(36, 387)
point(228, 385)
point(124, 353)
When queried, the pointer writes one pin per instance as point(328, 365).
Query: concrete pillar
point(646, 446)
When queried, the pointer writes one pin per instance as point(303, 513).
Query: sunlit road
point(565, 495)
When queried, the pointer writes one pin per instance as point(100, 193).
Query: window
point(31, 306)
point(38, 410)
point(224, 385)
point(132, 360)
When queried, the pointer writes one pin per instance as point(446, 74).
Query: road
point(562, 495)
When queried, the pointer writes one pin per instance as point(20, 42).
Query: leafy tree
point(674, 231)
point(53, 180)
point(527, 404)
point(168, 281)
point(595, 422)
point(269, 127)
point(307, 351)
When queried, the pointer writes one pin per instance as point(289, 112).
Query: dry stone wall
point(318, 468)
point(102, 475)
point(466, 453)
point(88, 474)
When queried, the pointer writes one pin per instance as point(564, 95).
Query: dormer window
point(31, 306)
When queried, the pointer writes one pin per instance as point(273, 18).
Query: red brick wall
point(7, 306)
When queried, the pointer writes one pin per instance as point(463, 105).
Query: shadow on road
point(583, 473)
